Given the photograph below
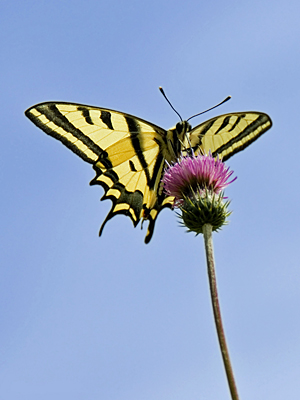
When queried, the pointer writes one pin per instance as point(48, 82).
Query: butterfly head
point(182, 128)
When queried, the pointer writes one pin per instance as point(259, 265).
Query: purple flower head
point(195, 175)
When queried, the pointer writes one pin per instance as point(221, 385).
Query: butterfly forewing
point(228, 134)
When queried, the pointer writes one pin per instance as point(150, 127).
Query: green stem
point(207, 233)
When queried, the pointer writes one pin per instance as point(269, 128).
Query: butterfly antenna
point(224, 101)
point(163, 93)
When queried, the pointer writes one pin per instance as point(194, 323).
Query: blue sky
point(111, 318)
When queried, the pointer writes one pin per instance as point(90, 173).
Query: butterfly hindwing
point(131, 174)
point(126, 153)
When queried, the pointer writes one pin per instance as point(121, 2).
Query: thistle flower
point(197, 185)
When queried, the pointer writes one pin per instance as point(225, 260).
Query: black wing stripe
point(134, 130)
point(237, 149)
point(86, 115)
point(223, 125)
point(132, 166)
point(252, 128)
point(159, 160)
point(236, 122)
point(206, 128)
point(61, 138)
point(53, 114)
point(106, 119)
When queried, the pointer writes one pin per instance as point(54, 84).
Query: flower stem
point(207, 233)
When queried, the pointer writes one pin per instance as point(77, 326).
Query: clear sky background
point(111, 318)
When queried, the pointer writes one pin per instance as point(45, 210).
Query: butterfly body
point(129, 154)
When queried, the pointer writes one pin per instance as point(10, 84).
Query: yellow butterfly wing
point(126, 153)
point(228, 134)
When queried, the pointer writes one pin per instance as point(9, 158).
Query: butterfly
point(129, 154)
